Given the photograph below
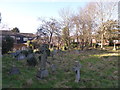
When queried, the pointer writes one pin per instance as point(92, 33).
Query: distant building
point(19, 38)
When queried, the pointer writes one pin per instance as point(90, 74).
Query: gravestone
point(77, 51)
point(23, 48)
point(14, 70)
point(53, 67)
point(21, 57)
point(42, 74)
point(15, 54)
point(14, 49)
point(25, 52)
point(76, 68)
point(31, 60)
point(44, 49)
point(55, 51)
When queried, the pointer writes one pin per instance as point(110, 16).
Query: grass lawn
point(99, 70)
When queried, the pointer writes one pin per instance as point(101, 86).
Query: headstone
point(77, 51)
point(14, 70)
point(44, 49)
point(25, 52)
point(42, 74)
point(14, 49)
point(31, 60)
point(76, 68)
point(23, 48)
point(15, 54)
point(55, 51)
point(21, 57)
point(53, 67)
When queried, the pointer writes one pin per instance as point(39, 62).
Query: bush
point(7, 44)
point(74, 44)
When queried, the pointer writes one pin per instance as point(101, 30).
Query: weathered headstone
point(31, 60)
point(21, 57)
point(77, 70)
point(44, 49)
point(25, 52)
point(42, 74)
point(23, 48)
point(14, 70)
point(53, 67)
point(77, 51)
point(55, 51)
point(15, 54)
point(14, 49)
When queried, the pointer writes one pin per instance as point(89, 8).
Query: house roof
point(6, 32)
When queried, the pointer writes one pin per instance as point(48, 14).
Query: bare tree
point(84, 23)
point(48, 28)
point(66, 15)
point(105, 11)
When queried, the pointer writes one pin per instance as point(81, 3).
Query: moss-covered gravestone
point(45, 52)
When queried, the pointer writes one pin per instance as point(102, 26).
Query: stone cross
point(43, 60)
point(77, 70)
point(43, 71)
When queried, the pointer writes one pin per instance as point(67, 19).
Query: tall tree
point(84, 23)
point(66, 15)
point(110, 30)
point(105, 11)
point(7, 44)
point(48, 28)
point(15, 30)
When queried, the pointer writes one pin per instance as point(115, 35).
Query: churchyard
point(91, 68)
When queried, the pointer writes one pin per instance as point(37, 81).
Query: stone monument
point(44, 49)
point(14, 70)
point(76, 68)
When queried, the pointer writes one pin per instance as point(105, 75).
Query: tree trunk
point(102, 41)
point(50, 39)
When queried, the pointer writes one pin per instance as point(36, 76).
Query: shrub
point(74, 44)
point(7, 44)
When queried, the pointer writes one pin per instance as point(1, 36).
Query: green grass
point(99, 70)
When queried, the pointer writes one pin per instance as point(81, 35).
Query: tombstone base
point(77, 81)
point(42, 74)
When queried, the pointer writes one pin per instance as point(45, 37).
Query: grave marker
point(21, 57)
point(53, 67)
point(77, 70)
point(44, 49)
point(14, 70)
